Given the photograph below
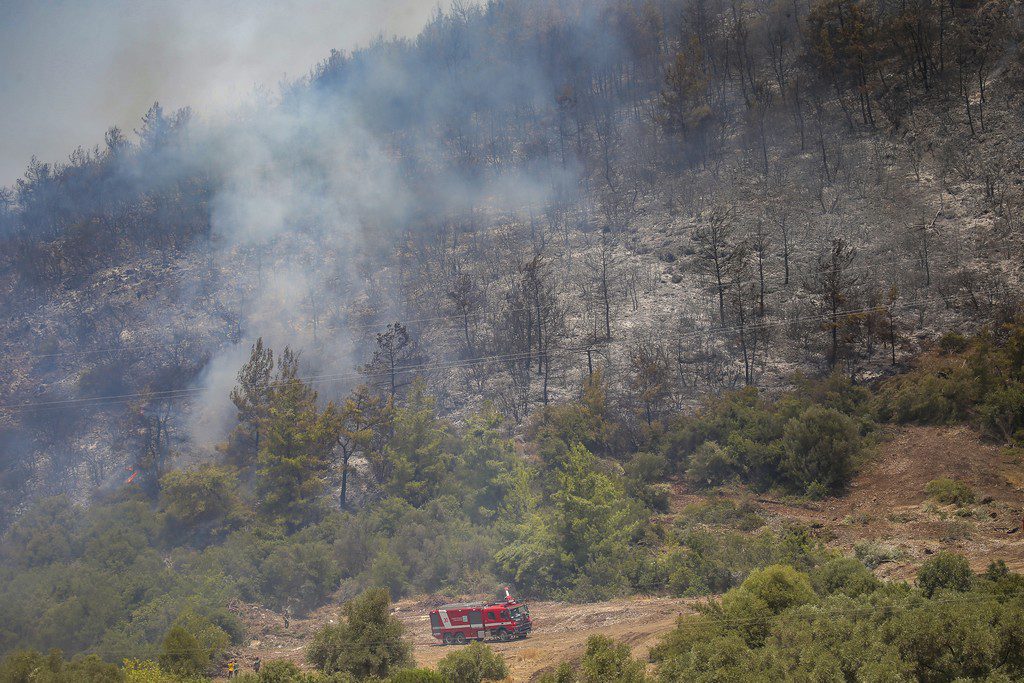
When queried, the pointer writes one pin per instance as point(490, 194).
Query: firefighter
point(231, 668)
point(256, 665)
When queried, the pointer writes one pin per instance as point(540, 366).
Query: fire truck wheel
point(504, 636)
point(447, 639)
point(460, 638)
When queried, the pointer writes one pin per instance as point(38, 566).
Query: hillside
point(621, 303)
point(668, 204)
point(886, 514)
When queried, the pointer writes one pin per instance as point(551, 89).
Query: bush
point(647, 468)
point(202, 502)
point(300, 573)
point(1002, 413)
point(764, 594)
point(950, 491)
point(606, 661)
point(472, 664)
point(722, 512)
point(710, 465)
point(146, 671)
point(844, 575)
point(279, 671)
point(952, 343)
point(820, 447)
point(368, 642)
point(889, 634)
point(779, 587)
point(283, 671)
point(30, 666)
point(932, 395)
point(42, 535)
point(182, 654)
point(389, 571)
point(875, 554)
point(947, 571)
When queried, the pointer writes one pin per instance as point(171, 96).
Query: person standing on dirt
point(231, 668)
point(256, 665)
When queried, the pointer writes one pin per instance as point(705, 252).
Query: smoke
point(310, 190)
point(360, 155)
point(72, 69)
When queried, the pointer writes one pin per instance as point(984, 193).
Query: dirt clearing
point(560, 631)
point(885, 517)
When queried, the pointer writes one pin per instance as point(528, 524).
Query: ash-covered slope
point(685, 195)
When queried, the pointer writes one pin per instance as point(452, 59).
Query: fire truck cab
point(459, 623)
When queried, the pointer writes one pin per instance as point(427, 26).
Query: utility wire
point(372, 326)
point(172, 394)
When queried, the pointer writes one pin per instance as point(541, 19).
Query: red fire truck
point(461, 622)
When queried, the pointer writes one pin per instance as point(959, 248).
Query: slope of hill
point(886, 518)
point(593, 297)
point(693, 197)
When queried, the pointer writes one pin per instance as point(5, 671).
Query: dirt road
point(885, 508)
point(561, 631)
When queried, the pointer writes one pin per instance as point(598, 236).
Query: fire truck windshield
point(520, 611)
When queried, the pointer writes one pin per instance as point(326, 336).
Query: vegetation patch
point(950, 491)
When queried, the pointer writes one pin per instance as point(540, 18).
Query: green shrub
point(1002, 413)
point(472, 664)
point(779, 587)
point(952, 343)
point(947, 571)
point(279, 671)
point(606, 661)
point(764, 594)
point(147, 671)
point(844, 575)
point(874, 554)
point(43, 535)
point(820, 447)
point(299, 573)
point(587, 422)
point(930, 395)
point(722, 512)
point(389, 571)
point(647, 467)
point(283, 671)
point(182, 653)
point(950, 491)
point(30, 666)
point(202, 503)
point(710, 465)
point(366, 642)
point(642, 472)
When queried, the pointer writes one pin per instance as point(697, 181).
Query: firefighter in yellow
point(232, 668)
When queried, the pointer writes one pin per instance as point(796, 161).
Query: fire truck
point(461, 622)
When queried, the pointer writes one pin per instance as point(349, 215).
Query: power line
point(361, 327)
point(371, 326)
point(174, 394)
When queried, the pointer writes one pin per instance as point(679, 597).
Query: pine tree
point(418, 453)
point(296, 448)
point(250, 397)
point(363, 420)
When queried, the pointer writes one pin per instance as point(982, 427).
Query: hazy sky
point(70, 69)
